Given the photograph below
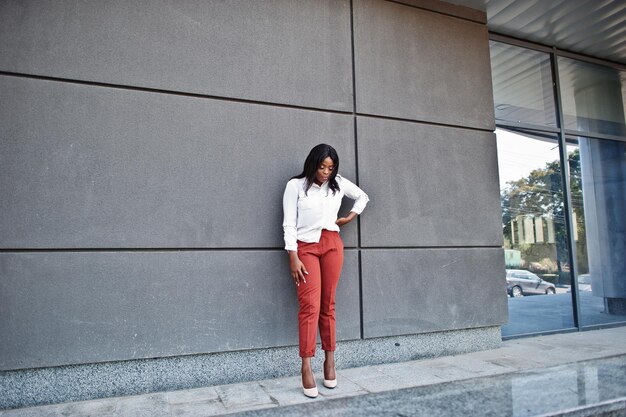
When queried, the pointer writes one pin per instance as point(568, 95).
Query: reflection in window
point(532, 203)
point(592, 97)
point(598, 183)
point(535, 238)
point(522, 85)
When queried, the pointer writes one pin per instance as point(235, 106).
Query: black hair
point(317, 155)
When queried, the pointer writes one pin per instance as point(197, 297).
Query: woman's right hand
point(298, 270)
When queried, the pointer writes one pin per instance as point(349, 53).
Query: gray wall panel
point(421, 65)
point(92, 167)
point(276, 51)
point(80, 307)
point(424, 290)
point(429, 185)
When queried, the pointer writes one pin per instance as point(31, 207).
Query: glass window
point(535, 239)
point(592, 97)
point(522, 85)
point(598, 184)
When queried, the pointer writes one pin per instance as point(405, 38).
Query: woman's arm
point(290, 216)
point(298, 270)
point(345, 220)
point(352, 191)
point(290, 224)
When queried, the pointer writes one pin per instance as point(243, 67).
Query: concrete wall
point(144, 149)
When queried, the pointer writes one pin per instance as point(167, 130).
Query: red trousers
point(323, 261)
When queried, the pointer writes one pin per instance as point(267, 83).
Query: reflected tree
point(540, 194)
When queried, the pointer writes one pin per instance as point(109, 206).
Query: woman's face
point(324, 170)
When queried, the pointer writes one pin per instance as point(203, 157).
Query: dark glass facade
point(562, 169)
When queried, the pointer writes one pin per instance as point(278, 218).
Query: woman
point(311, 229)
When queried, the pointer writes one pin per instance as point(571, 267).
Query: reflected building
point(528, 229)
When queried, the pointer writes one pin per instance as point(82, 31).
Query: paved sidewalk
point(563, 372)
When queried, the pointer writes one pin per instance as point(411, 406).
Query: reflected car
point(584, 282)
point(520, 282)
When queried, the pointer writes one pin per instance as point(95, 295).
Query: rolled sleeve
point(352, 191)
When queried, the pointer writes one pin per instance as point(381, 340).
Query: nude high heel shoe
point(330, 383)
point(310, 392)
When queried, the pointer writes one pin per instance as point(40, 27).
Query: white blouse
point(305, 215)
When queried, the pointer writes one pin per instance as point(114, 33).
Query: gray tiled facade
point(271, 51)
point(421, 65)
point(93, 167)
point(178, 302)
point(399, 298)
point(144, 149)
point(427, 184)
